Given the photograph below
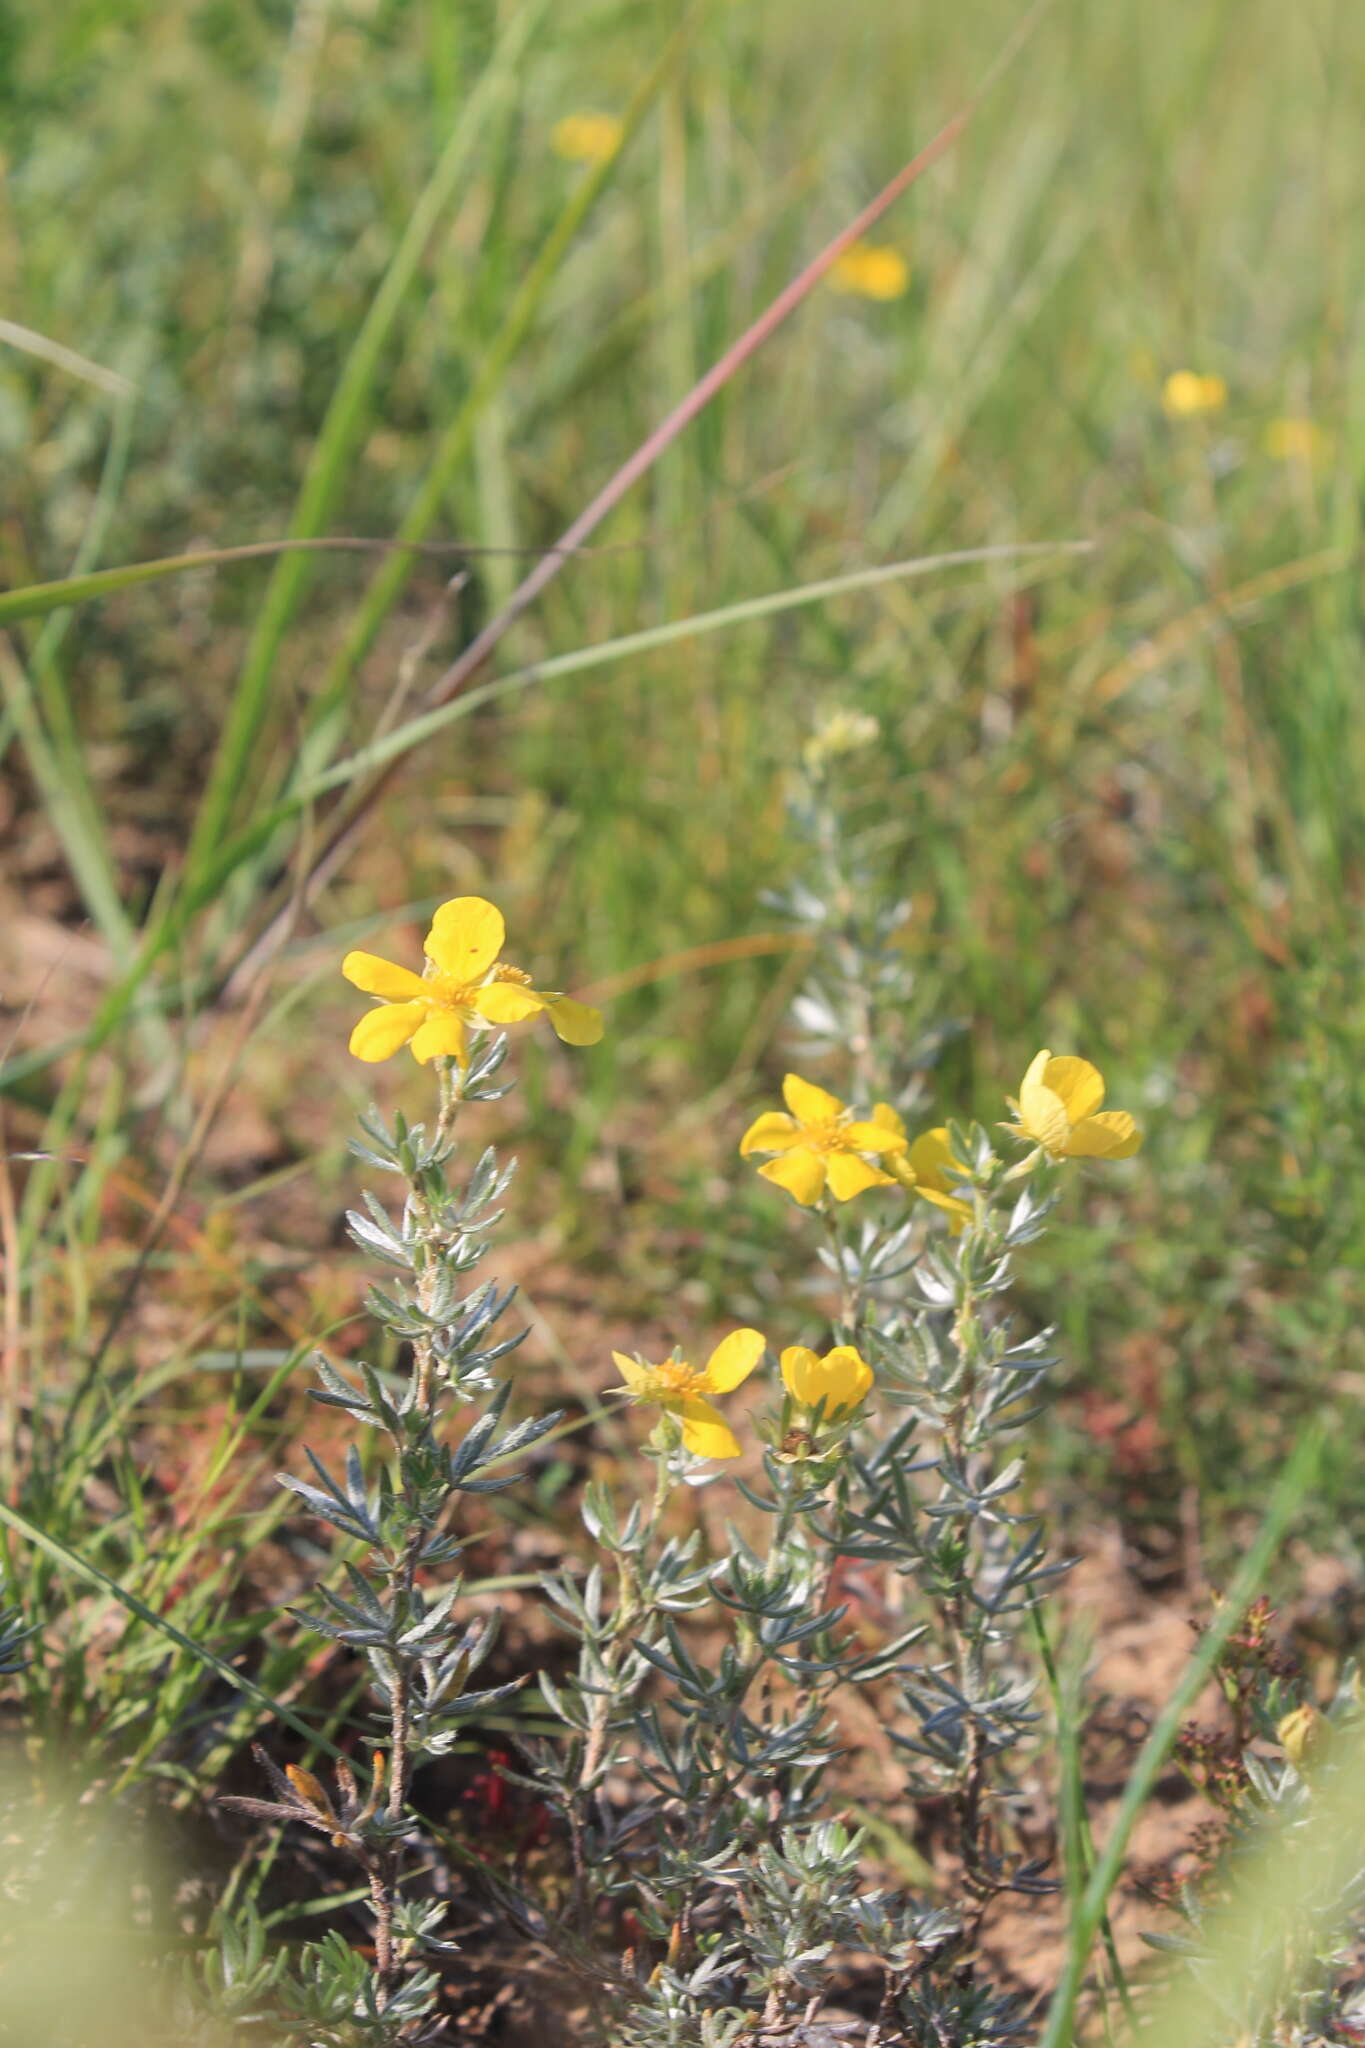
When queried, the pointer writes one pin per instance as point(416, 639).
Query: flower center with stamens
point(445, 993)
point(673, 1380)
point(517, 974)
point(827, 1134)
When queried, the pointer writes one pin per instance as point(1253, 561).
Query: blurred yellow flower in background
point(1304, 1735)
point(840, 732)
point(841, 1379)
point(681, 1390)
point(463, 989)
point(1186, 393)
point(920, 1170)
point(1295, 440)
point(818, 1145)
point(871, 270)
point(586, 138)
point(1059, 1111)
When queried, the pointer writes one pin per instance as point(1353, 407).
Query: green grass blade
point(388, 582)
point(43, 715)
point(112, 474)
point(80, 1568)
point(70, 806)
point(1293, 1898)
point(1073, 1824)
point(1294, 1486)
point(206, 886)
point(40, 600)
point(62, 358)
point(340, 434)
point(416, 731)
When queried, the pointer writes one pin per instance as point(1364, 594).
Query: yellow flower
point(920, 1171)
point(1186, 393)
point(463, 989)
point(1295, 440)
point(681, 1390)
point(586, 138)
point(840, 732)
point(818, 1145)
point(1304, 1735)
point(871, 270)
point(841, 1379)
point(1059, 1110)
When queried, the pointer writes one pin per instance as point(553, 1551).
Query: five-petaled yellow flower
point(681, 1390)
point(586, 138)
point(818, 1145)
point(841, 1379)
point(464, 989)
point(1059, 1111)
point(870, 270)
point(920, 1171)
point(1187, 393)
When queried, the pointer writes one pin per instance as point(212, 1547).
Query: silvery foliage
point(932, 1502)
point(421, 1652)
point(713, 1891)
point(695, 1779)
point(14, 1637)
point(858, 1003)
point(936, 1504)
point(738, 1887)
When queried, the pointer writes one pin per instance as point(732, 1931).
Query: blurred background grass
point(1124, 790)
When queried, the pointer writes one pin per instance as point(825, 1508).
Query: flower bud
point(1304, 1736)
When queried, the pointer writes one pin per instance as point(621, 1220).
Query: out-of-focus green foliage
point(1125, 799)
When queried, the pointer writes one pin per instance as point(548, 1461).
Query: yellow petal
point(1080, 1086)
point(733, 1359)
point(466, 937)
point(801, 1173)
point(774, 1131)
point(380, 1033)
point(929, 1154)
point(809, 1104)
point(801, 1374)
point(848, 1378)
point(1037, 1067)
point(874, 1137)
point(633, 1373)
point(959, 1214)
point(849, 1176)
point(841, 1379)
point(888, 1119)
point(704, 1433)
point(381, 978)
point(441, 1037)
point(1042, 1115)
point(575, 1023)
point(1110, 1135)
point(507, 1002)
point(1045, 1121)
